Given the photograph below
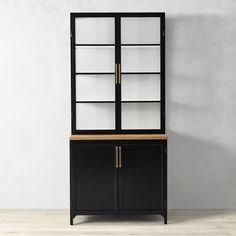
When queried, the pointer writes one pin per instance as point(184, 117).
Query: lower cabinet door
point(140, 177)
point(94, 174)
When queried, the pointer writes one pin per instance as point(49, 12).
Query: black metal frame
point(117, 16)
point(118, 208)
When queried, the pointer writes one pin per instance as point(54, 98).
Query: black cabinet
point(118, 147)
point(117, 177)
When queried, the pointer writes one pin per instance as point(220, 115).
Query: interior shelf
point(95, 101)
point(123, 44)
point(157, 101)
point(94, 73)
point(141, 44)
point(92, 45)
point(125, 73)
point(141, 73)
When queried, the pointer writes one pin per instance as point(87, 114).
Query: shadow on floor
point(174, 217)
point(118, 219)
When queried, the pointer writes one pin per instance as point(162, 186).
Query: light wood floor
point(56, 222)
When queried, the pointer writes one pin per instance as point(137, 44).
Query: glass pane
point(95, 30)
point(93, 116)
point(140, 59)
point(95, 88)
point(140, 116)
point(95, 59)
point(140, 87)
point(140, 30)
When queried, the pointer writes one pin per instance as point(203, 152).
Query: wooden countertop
point(119, 137)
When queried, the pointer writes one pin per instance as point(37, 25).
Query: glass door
point(117, 71)
point(94, 44)
point(140, 40)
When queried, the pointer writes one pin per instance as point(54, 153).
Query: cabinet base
point(72, 216)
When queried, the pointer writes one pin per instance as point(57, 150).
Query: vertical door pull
point(119, 74)
point(116, 73)
point(120, 160)
point(116, 157)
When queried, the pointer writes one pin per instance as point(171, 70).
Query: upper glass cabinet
point(118, 72)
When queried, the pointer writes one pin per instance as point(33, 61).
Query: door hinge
point(70, 34)
point(163, 33)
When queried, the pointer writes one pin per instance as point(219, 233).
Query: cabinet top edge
point(119, 137)
point(77, 14)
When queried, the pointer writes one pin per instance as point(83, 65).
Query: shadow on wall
point(201, 111)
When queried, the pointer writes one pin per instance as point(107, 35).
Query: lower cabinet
point(118, 177)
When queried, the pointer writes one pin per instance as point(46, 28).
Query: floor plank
point(56, 222)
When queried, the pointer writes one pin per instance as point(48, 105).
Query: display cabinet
point(118, 147)
point(118, 73)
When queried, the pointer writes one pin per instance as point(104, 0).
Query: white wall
point(35, 99)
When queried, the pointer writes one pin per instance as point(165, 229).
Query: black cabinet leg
point(71, 219)
point(165, 220)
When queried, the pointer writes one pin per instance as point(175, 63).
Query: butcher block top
point(119, 137)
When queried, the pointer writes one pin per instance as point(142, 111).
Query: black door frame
point(117, 16)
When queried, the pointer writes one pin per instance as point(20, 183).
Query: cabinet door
point(141, 177)
point(93, 79)
point(93, 177)
point(141, 73)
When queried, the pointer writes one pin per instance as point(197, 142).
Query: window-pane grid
point(137, 48)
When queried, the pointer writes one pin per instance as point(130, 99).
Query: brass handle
point(116, 157)
point(119, 74)
point(116, 73)
point(120, 163)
